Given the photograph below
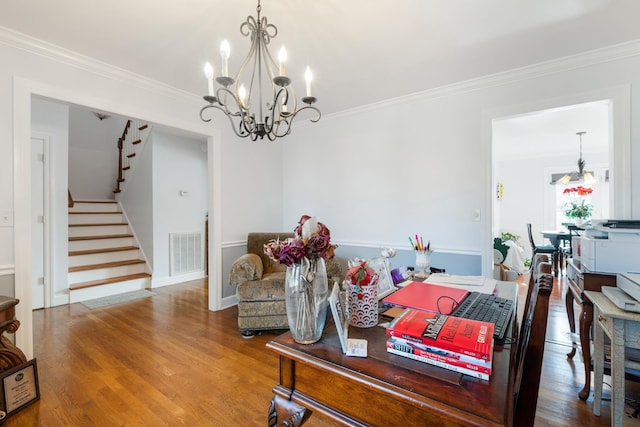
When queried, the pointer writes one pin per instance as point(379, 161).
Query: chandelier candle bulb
point(225, 51)
point(282, 57)
point(308, 77)
point(242, 94)
point(208, 71)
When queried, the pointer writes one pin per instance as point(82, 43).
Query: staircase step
point(105, 265)
point(97, 201)
point(98, 237)
point(93, 229)
point(93, 212)
point(99, 224)
point(110, 280)
point(101, 243)
point(92, 256)
point(102, 250)
point(105, 270)
point(95, 217)
point(89, 206)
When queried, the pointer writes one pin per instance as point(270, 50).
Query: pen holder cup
point(423, 261)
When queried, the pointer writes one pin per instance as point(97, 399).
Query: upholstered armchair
point(260, 286)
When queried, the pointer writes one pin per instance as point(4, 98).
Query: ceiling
point(553, 132)
point(360, 51)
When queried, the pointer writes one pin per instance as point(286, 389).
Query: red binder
point(427, 297)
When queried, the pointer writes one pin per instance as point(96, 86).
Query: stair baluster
point(131, 136)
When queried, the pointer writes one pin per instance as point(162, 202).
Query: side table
point(623, 328)
point(10, 355)
point(580, 280)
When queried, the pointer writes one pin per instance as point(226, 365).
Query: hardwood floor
point(167, 360)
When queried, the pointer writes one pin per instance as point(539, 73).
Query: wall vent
point(185, 253)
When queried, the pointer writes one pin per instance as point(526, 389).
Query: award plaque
point(19, 388)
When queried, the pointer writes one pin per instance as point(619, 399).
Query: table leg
point(617, 373)
point(568, 302)
point(598, 365)
point(586, 319)
point(283, 412)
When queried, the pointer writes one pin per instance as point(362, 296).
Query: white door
point(37, 223)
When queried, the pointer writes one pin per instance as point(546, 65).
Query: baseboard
point(173, 280)
point(229, 301)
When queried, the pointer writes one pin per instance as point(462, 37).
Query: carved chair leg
point(286, 413)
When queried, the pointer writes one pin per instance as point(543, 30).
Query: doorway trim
point(23, 90)
point(619, 153)
point(48, 217)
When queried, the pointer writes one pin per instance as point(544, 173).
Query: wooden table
point(623, 328)
point(385, 389)
point(581, 280)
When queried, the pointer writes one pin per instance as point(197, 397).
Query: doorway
point(23, 92)
point(529, 149)
point(619, 98)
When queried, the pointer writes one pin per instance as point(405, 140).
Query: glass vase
point(363, 305)
point(306, 290)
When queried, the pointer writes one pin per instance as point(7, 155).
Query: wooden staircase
point(103, 256)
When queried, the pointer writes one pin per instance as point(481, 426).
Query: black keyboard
point(487, 308)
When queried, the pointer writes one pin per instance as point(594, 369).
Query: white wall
point(179, 164)
point(421, 164)
point(137, 199)
point(93, 154)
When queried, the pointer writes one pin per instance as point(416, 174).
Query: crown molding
point(593, 57)
point(59, 54)
point(56, 53)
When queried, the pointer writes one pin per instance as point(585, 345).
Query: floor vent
point(186, 252)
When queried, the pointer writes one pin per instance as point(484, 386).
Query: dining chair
point(543, 249)
point(530, 351)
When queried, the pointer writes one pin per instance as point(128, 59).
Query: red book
point(455, 368)
point(427, 297)
point(439, 355)
point(465, 336)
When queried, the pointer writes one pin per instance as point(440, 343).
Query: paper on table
point(471, 283)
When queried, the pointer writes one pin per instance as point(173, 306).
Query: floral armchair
point(259, 284)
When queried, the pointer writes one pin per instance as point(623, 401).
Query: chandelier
point(586, 176)
point(267, 106)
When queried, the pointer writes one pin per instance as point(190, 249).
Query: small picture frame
point(339, 316)
point(18, 388)
point(385, 282)
point(350, 346)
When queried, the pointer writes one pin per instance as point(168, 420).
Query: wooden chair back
point(540, 265)
point(533, 244)
point(530, 350)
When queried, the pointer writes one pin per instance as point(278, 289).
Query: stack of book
point(461, 345)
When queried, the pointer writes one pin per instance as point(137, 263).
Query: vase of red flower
point(361, 284)
point(306, 287)
point(577, 209)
